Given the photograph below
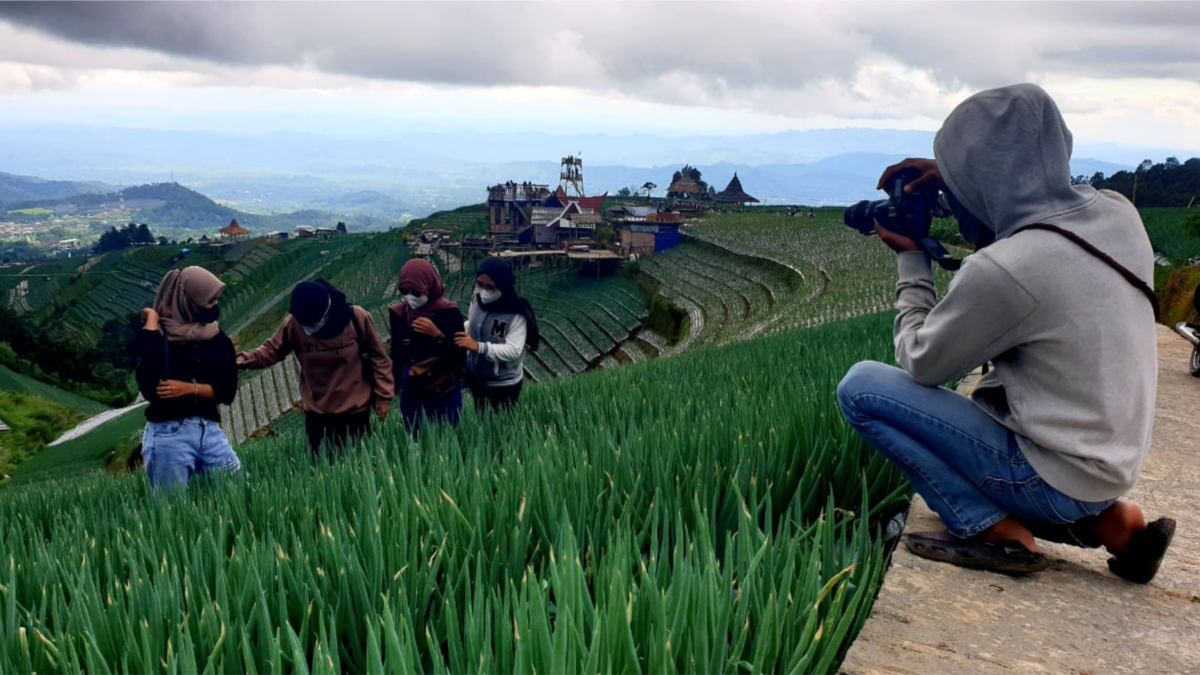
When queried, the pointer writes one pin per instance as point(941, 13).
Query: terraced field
point(842, 274)
point(727, 296)
point(23, 384)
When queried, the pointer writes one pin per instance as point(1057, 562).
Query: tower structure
point(571, 175)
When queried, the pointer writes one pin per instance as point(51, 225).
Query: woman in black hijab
point(345, 371)
point(500, 325)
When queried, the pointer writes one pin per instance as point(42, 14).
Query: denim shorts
point(176, 450)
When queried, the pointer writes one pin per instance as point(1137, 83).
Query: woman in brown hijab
point(427, 365)
point(186, 367)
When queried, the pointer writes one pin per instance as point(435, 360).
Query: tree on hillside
point(624, 192)
point(1145, 166)
point(648, 188)
point(1097, 178)
point(341, 227)
point(1169, 183)
point(143, 235)
point(120, 239)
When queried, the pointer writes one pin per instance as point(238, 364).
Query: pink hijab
point(420, 274)
point(181, 295)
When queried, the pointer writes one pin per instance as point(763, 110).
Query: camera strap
point(1132, 278)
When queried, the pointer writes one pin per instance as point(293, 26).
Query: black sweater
point(211, 362)
point(409, 347)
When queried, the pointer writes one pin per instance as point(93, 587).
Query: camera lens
point(858, 217)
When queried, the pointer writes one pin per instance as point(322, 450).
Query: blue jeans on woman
point(966, 465)
point(417, 408)
point(175, 451)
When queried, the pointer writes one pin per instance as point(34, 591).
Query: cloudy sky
point(1124, 73)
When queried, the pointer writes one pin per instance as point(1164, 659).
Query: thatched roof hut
point(734, 194)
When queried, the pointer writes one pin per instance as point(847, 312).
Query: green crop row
point(707, 513)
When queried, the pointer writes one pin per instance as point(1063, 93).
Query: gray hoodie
point(1072, 342)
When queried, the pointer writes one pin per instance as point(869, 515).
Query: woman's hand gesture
point(426, 327)
point(463, 340)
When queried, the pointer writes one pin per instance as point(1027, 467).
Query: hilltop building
point(510, 207)
point(234, 232)
point(687, 192)
point(529, 214)
point(734, 194)
point(561, 218)
point(644, 231)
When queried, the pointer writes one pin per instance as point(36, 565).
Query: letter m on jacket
point(499, 329)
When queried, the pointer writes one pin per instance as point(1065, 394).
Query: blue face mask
point(974, 230)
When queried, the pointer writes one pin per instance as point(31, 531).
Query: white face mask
point(309, 330)
point(487, 296)
point(416, 301)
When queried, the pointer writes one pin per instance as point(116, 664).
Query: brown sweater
point(331, 371)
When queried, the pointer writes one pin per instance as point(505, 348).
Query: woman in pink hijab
point(427, 365)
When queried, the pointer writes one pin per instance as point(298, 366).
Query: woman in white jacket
point(500, 325)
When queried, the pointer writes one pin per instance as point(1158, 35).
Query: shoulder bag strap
point(364, 353)
point(1132, 278)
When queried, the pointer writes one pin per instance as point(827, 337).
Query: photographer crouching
point(1056, 299)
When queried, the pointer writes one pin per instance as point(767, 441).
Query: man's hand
point(381, 410)
point(463, 340)
point(149, 319)
point(927, 167)
point(424, 326)
point(897, 242)
point(241, 359)
point(177, 389)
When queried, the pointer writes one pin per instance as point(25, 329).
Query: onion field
point(706, 513)
point(841, 273)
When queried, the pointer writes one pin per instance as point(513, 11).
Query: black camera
point(910, 214)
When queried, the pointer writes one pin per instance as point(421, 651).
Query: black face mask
point(208, 314)
point(971, 228)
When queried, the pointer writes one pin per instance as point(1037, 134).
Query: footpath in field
point(96, 420)
point(1075, 617)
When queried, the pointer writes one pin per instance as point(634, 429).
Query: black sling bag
point(1132, 278)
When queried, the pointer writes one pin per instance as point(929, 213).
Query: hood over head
point(310, 302)
point(1005, 154)
point(181, 297)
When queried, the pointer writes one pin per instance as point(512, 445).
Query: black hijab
point(310, 299)
point(509, 301)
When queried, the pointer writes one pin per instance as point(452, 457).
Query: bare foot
point(1010, 529)
point(1117, 524)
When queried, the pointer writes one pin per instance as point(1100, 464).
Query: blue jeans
point(175, 451)
point(966, 465)
point(418, 408)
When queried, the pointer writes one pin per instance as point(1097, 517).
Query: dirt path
point(1075, 617)
point(96, 420)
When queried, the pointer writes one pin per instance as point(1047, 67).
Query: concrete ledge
point(1076, 617)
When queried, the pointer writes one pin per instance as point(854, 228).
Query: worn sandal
point(1006, 557)
point(1140, 561)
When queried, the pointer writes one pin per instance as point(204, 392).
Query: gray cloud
point(716, 53)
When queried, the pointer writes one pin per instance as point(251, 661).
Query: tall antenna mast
point(571, 174)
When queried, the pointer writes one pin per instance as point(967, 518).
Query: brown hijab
point(420, 274)
point(182, 294)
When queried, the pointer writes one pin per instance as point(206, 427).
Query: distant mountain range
point(174, 210)
point(408, 175)
point(15, 188)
